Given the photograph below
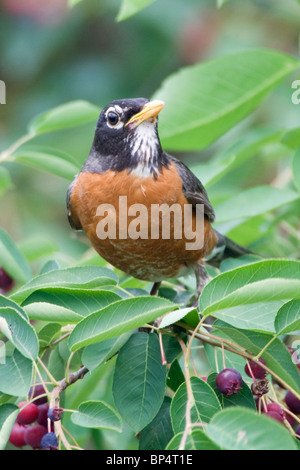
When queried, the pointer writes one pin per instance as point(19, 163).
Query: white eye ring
point(111, 115)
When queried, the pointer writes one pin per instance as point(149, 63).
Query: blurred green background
point(51, 54)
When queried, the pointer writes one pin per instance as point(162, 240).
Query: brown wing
point(71, 213)
point(193, 189)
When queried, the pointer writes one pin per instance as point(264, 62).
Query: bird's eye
point(113, 118)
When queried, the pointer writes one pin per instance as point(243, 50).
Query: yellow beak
point(149, 111)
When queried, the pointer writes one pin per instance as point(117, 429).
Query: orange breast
point(121, 215)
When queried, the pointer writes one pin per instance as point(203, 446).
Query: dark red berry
point(290, 419)
point(274, 415)
point(257, 371)
point(229, 381)
point(49, 441)
point(35, 391)
point(16, 437)
point(55, 414)
point(298, 431)
point(293, 403)
point(43, 414)
point(6, 282)
point(29, 414)
point(33, 435)
point(276, 408)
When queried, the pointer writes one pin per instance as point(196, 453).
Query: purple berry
point(257, 371)
point(29, 414)
point(55, 414)
point(293, 403)
point(43, 414)
point(274, 415)
point(298, 431)
point(35, 391)
point(229, 381)
point(290, 419)
point(33, 435)
point(276, 408)
point(49, 441)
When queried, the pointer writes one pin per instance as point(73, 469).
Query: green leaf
point(12, 260)
point(205, 404)
point(76, 277)
point(95, 354)
point(139, 380)
point(276, 355)
point(19, 331)
point(51, 313)
point(175, 376)
point(263, 281)
point(52, 161)
point(16, 375)
point(243, 429)
point(131, 7)
point(171, 347)
point(258, 316)
point(196, 440)
point(206, 100)
point(291, 138)
point(177, 315)
point(288, 318)
point(117, 318)
point(81, 301)
point(8, 415)
point(7, 302)
point(254, 201)
point(67, 115)
point(158, 433)
point(97, 415)
point(296, 168)
point(238, 153)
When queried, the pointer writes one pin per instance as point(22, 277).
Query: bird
point(127, 163)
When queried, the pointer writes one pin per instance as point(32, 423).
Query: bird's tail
point(226, 248)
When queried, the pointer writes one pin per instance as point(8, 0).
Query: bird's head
point(126, 134)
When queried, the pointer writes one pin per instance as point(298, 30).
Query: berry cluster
point(31, 426)
point(229, 382)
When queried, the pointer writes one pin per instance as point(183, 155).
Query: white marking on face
point(144, 144)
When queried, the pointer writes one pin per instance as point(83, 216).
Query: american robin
point(127, 163)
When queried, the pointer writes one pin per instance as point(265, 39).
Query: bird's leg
point(155, 287)
point(201, 281)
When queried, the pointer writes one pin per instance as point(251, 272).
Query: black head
point(126, 137)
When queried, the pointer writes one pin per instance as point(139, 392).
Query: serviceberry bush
point(85, 364)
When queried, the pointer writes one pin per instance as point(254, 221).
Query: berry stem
point(190, 396)
point(162, 352)
point(250, 370)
